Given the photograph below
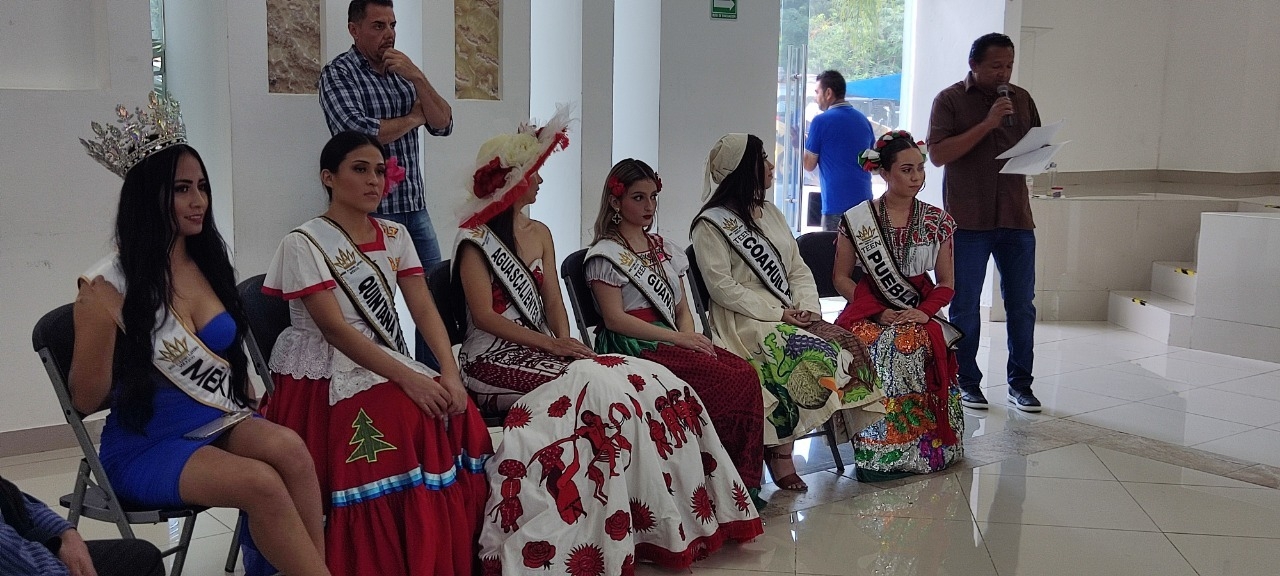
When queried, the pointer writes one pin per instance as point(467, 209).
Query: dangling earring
point(617, 218)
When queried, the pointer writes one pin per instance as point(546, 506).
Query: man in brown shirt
point(973, 121)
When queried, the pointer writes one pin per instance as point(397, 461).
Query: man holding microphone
point(972, 122)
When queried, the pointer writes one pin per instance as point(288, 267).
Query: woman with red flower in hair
point(579, 481)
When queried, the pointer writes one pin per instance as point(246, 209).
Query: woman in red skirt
point(399, 448)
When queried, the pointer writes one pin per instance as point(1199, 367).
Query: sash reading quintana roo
point(515, 278)
point(177, 353)
point(755, 249)
point(656, 288)
point(360, 278)
point(873, 251)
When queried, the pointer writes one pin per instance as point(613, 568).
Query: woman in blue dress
point(178, 365)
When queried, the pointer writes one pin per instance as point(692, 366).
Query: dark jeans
point(1015, 256)
point(428, 249)
point(125, 557)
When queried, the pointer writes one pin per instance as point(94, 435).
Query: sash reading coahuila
point(176, 351)
point(359, 277)
point(516, 280)
point(655, 287)
point(756, 250)
point(869, 243)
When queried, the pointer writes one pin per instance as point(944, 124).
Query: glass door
point(793, 48)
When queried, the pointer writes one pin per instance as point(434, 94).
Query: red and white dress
point(604, 462)
point(403, 491)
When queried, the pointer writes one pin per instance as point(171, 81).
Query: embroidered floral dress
point(404, 491)
point(808, 375)
point(604, 462)
point(725, 382)
point(923, 422)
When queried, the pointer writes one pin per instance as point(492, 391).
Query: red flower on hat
point(489, 178)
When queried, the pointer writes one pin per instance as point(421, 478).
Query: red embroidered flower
point(394, 176)
point(709, 464)
point(491, 566)
point(642, 519)
point(517, 417)
point(585, 560)
point(489, 178)
point(559, 407)
point(636, 381)
point(704, 508)
point(615, 186)
point(610, 360)
point(741, 499)
point(512, 468)
point(500, 302)
point(538, 554)
point(618, 525)
point(628, 564)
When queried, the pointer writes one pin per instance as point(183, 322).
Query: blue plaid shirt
point(355, 97)
point(26, 554)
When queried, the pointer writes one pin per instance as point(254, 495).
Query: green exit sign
point(724, 9)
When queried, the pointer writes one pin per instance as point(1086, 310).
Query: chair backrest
point(701, 298)
point(268, 317)
point(818, 250)
point(583, 301)
point(54, 339)
point(452, 310)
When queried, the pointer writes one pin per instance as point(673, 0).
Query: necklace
point(649, 258)
point(901, 245)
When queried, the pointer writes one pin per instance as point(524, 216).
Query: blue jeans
point(1015, 256)
point(428, 249)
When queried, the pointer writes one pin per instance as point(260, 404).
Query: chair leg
point(829, 431)
point(235, 547)
point(77, 497)
point(184, 543)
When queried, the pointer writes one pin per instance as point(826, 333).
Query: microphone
point(1004, 92)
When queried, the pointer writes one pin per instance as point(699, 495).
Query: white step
point(1153, 315)
point(1176, 280)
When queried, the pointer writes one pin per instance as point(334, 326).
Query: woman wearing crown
point(765, 308)
point(605, 460)
point(896, 240)
point(176, 333)
point(400, 448)
point(637, 278)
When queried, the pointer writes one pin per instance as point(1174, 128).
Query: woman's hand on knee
point(430, 396)
point(457, 393)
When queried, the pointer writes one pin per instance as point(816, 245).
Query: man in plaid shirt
point(376, 89)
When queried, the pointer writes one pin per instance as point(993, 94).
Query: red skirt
point(406, 492)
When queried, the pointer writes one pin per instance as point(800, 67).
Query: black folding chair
point(453, 311)
point(268, 317)
point(818, 250)
point(703, 299)
point(583, 301)
point(54, 339)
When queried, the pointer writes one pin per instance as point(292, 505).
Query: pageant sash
point(655, 287)
point(177, 353)
point(360, 278)
point(867, 234)
point(755, 249)
point(516, 280)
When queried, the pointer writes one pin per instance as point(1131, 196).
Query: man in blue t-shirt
point(836, 137)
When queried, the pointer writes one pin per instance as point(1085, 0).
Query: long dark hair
point(743, 189)
point(146, 232)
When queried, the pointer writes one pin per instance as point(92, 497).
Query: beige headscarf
point(724, 159)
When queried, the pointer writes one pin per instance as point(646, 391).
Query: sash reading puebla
point(655, 287)
point(359, 278)
point(756, 250)
point(177, 353)
point(873, 251)
point(516, 280)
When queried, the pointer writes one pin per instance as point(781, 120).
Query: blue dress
point(144, 468)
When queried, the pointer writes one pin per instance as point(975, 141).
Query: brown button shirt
point(974, 191)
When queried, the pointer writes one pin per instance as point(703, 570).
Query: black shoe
point(973, 399)
point(1024, 401)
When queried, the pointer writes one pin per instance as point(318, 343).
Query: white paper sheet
point(1035, 162)
point(1035, 139)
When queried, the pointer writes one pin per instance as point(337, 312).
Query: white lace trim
point(308, 355)
point(350, 378)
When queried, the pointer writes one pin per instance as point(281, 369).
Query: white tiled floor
point(1078, 508)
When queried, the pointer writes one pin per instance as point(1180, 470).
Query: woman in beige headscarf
point(764, 307)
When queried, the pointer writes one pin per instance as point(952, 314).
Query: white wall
point(57, 45)
point(718, 76)
point(57, 204)
point(555, 66)
point(637, 78)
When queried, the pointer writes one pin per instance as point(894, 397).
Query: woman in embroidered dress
point(605, 460)
point(923, 423)
point(182, 300)
point(811, 370)
point(402, 447)
point(633, 325)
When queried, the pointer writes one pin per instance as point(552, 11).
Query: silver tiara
point(139, 134)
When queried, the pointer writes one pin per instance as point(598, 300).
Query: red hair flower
point(394, 176)
point(489, 178)
point(657, 180)
point(615, 186)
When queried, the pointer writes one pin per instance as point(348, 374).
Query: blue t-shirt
point(838, 136)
